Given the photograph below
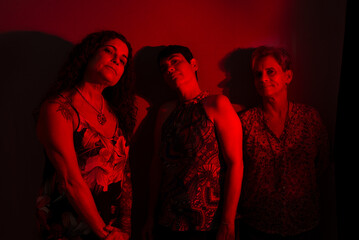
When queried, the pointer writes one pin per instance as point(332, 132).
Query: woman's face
point(108, 63)
point(269, 78)
point(176, 70)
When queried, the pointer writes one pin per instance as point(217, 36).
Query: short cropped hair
point(279, 54)
point(172, 49)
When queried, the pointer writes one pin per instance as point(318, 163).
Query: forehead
point(173, 55)
point(266, 62)
point(119, 45)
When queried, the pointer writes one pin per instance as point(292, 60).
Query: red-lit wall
point(35, 37)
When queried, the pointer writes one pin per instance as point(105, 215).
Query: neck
point(93, 90)
point(276, 105)
point(92, 93)
point(189, 92)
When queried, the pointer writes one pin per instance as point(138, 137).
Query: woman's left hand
point(226, 232)
point(117, 234)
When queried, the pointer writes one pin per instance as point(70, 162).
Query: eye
point(271, 72)
point(108, 50)
point(258, 74)
point(164, 69)
point(174, 61)
point(123, 61)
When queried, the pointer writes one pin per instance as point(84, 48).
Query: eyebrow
point(109, 45)
point(173, 55)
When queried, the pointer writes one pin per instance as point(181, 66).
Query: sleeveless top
point(192, 169)
point(104, 166)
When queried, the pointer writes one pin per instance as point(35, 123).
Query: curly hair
point(120, 97)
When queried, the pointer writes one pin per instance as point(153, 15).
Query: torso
point(102, 155)
point(276, 122)
point(88, 113)
point(280, 188)
point(192, 169)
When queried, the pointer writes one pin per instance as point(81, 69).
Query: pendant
point(101, 118)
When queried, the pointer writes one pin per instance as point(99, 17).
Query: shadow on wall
point(29, 62)
point(238, 85)
point(151, 87)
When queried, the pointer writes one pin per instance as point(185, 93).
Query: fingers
point(108, 228)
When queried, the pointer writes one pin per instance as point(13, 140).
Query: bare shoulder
point(56, 107)
point(56, 113)
point(217, 102)
point(219, 108)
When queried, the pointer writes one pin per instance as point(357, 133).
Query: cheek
point(95, 62)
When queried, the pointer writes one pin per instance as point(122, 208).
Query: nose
point(170, 69)
point(116, 60)
point(264, 77)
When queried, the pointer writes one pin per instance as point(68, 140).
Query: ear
point(194, 64)
point(289, 76)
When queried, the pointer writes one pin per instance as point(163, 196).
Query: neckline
point(82, 120)
point(198, 98)
point(286, 122)
point(100, 133)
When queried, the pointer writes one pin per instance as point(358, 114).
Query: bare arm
point(229, 131)
point(55, 131)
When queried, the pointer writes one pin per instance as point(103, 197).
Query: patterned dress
point(192, 169)
point(280, 192)
point(105, 168)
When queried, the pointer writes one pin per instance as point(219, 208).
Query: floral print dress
point(105, 168)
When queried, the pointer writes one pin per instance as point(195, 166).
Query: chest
point(275, 124)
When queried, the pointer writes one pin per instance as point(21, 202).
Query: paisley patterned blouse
point(105, 168)
point(280, 192)
point(192, 171)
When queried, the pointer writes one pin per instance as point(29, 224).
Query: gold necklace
point(100, 116)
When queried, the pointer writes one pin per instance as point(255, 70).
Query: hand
point(116, 234)
point(147, 231)
point(226, 231)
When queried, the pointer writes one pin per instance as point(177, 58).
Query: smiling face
point(269, 78)
point(108, 62)
point(176, 70)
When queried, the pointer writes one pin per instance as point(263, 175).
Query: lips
point(112, 68)
point(266, 86)
point(174, 75)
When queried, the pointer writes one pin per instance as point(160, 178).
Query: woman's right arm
point(55, 131)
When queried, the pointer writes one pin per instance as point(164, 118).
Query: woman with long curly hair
point(85, 125)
